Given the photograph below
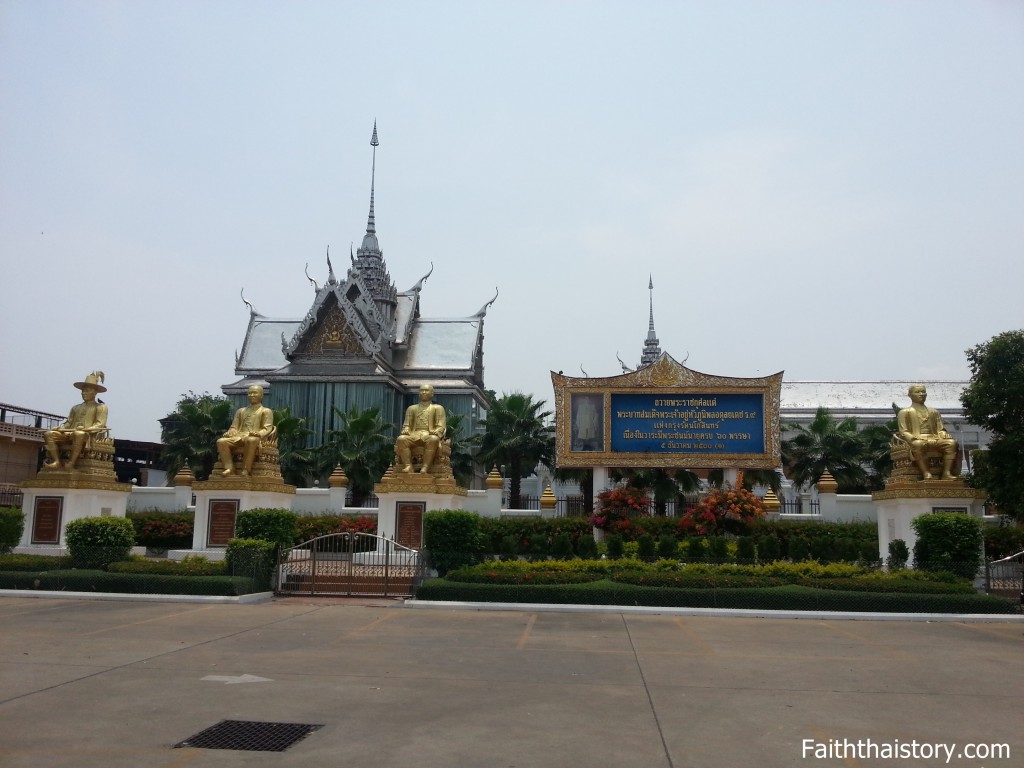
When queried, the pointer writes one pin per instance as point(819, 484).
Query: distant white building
point(871, 402)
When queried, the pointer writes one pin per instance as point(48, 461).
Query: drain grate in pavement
point(249, 736)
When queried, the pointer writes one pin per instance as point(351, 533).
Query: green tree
point(464, 448)
point(516, 436)
point(769, 478)
point(994, 399)
point(877, 448)
point(190, 432)
point(826, 443)
point(297, 461)
point(363, 445)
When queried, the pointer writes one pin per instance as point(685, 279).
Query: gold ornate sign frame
point(671, 378)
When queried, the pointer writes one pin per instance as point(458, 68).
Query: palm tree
point(826, 443)
point(190, 433)
point(464, 448)
point(877, 440)
point(516, 435)
point(769, 478)
point(296, 460)
point(363, 445)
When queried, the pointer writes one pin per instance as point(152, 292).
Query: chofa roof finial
point(252, 309)
point(483, 310)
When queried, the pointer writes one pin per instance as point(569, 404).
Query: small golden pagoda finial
point(547, 499)
point(494, 480)
point(184, 476)
point(826, 483)
point(338, 478)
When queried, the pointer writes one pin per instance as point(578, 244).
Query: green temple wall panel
point(460, 405)
point(316, 403)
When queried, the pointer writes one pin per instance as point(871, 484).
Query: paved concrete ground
point(109, 684)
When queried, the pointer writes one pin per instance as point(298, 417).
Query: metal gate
point(344, 564)
point(1006, 577)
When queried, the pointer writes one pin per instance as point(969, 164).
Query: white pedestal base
point(898, 508)
point(225, 490)
point(387, 508)
point(75, 503)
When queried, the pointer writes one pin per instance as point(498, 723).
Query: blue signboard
point(687, 423)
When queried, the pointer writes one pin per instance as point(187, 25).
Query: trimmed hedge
point(452, 538)
point(32, 562)
point(948, 541)
point(163, 530)
point(84, 580)
point(788, 597)
point(252, 558)
point(192, 566)
point(278, 526)
point(12, 525)
point(95, 542)
point(527, 532)
point(535, 537)
point(669, 573)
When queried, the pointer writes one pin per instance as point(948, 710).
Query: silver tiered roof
point(362, 329)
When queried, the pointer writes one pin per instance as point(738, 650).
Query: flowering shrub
point(722, 510)
point(311, 527)
point(162, 530)
point(619, 504)
point(166, 534)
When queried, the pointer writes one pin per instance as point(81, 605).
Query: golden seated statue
point(266, 465)
point(441, 467)
point(922, 449)
point(82, 444)
point(248, 449)
point(423, 452)
point(905, 467)
point(96, 457)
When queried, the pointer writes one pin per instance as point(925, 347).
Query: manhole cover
point(249, 736)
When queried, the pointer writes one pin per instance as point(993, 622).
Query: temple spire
point(369, 259)
point(371, 227)
point(651, 349)
point(370, 247)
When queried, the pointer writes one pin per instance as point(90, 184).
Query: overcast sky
point(833, 189)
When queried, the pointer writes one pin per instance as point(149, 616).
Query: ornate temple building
point(363, 343)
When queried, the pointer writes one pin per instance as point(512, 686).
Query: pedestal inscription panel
point(223, 513)
point(46, 520)
point(409, 527)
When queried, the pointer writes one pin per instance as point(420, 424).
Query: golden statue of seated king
point(425, 426)
point(252, 426)
point(921, 431)
point(86, 423)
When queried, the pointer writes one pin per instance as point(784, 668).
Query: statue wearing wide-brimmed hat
point(86, 421)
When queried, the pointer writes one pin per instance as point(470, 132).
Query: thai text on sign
point(684, 423)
